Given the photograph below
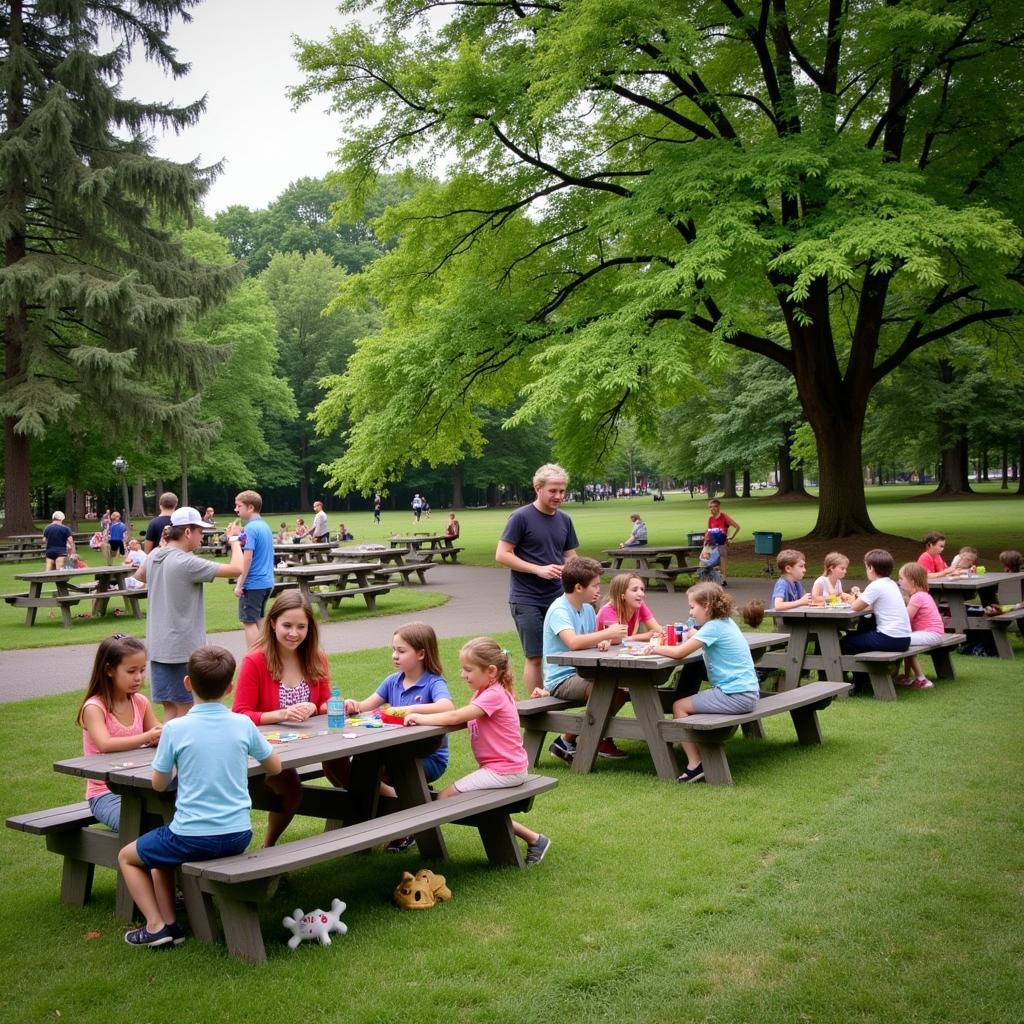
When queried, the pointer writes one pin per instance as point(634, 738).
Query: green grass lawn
point(874, 879)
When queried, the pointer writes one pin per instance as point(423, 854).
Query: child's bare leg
point(140, 885)
point(163, 887)
point(914, 667)
point(288, 788)
point(527, 835)
point(723, 560)
point(680, 709)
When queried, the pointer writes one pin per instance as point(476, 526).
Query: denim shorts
point(529, 620)
point(251, 604)
point(163, 848)
point(106, 809)
point(718, 702)
point(168, 681)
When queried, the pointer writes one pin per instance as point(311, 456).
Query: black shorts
point(116, 547)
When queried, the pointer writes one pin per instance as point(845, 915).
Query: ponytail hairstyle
point(617, 594)
point(110, 653)
point(712, 597)
point(484, 652)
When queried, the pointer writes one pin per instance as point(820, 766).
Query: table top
point(315, 744)
point(619, 656)
point(653, 549)
point(338, 569)
point(419, 538)
point(288, 548)
point(364, 551)
point(828, 613)
point(70, 574)
point(973, 581)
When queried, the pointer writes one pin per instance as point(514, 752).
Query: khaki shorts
point(573, 688)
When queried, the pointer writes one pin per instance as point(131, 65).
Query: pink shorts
point(484, 778)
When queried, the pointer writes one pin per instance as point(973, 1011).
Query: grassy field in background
point(874, 879)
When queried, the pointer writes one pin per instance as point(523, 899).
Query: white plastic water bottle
point(335, 711)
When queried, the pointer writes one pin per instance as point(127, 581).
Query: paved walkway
point(477, 606)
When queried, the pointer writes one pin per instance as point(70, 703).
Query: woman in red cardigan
point(285, 678)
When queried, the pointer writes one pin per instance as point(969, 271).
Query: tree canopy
point(631, 190)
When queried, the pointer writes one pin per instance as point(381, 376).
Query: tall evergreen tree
point(94, 288)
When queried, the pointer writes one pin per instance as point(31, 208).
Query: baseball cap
point(58, 516)
point(186, 516)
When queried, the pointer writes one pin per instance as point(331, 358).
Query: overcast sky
point(241, 53)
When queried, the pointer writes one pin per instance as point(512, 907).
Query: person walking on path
point(176, 619)
point(168, 503)
point(257, 576)
point(536, 541)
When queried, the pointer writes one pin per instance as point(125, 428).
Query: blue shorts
point(529, 620)
point(163, 848)
point(106, 809)
point(168, 682)
point(251, 604)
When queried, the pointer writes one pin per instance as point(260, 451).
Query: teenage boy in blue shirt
point(209, 750)
point(257, 579)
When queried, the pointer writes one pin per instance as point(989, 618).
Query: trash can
point(767, 543)
point(695, 540)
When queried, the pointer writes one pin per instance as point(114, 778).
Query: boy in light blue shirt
point(570, 624)
point(209, 750)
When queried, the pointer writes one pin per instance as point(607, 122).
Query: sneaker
point(608, 749)
point(401, 845)
point(143, 937)
point(692, 774)
point(921, 683)
point(903, 681)
point(563, 750)
point(177, 933)
point(535, 852)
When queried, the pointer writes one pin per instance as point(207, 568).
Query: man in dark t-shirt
point(168, 503)
point(535, 543)
point(59, 542)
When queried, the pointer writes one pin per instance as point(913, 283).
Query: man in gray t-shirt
point(536, 541)
point(176, 618)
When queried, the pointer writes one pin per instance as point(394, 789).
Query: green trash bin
point(767, 543)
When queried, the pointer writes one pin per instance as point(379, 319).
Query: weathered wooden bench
point(710, 732)
point(240, 884)
point(385, 572)
point(877, 663)
point(67, 833)
point(326, 599)
point(668, 575)
point(426, 555)
point(1000, 627)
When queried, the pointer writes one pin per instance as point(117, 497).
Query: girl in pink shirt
point(493, 723)
point(114, 715)
point(626, 605)
point(926, 623)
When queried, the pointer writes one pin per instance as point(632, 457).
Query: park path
point(477, 606)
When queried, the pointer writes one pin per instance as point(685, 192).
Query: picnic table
point(391, 562)
point(303, 554)
point(326, 585)
point(356, 817)
point(424, 546)
point(641, 676)
point(655, 563)
point(972, 590)
point(74, 585)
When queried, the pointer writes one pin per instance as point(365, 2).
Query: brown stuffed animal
point(421, 891)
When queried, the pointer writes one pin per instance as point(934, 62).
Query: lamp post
point(120, 466)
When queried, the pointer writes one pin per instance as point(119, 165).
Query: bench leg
point(753, 730)
point(202, 918)
point(499, 840)
point(371, 601)
point(76, 882)
point(808, 728)
point(715, 763)
point(65, 614)
point(533, 741)
point(242, 934)
point(943, 664)
point(881, 682)
point(1001, 638)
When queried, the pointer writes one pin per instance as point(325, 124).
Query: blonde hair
point(483, 652)
point(712, 597)
point(617, 594)
point(251, 498)
point(421, 637)
point(916, 574)
point(548, 472)
point(834, 559)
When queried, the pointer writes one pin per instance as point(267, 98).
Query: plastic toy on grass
point(317, 924)
point(421, 891)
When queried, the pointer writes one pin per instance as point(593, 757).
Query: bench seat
point(876, 663)
point(326, 598)
point(241, 883)
point(670, 576)
point(404, 572)
point(710, 732)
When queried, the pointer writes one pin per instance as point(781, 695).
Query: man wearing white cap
point(176, 620)
point(59, 542)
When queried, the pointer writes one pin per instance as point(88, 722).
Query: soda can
point(670, 636)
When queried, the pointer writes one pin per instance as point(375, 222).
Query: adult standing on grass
point(321, 535)
point(722, 528)
point(176, 618)
point(168, 503)
point(536, 541)
point(257, 578)
point(60, 542)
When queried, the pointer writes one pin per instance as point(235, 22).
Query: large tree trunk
point(842, 505)
point(729, 484)
point(791, 483)
point(1020, 466)
point(1005, 485)
point(183, 497)
point(458, 500)
point(746, 483)
point(16, 478)
point(139, 499)
point(954, 457)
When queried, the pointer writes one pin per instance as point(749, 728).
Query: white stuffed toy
point(318, 924)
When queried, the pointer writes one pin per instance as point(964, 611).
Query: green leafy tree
point(635, 189)
point(94, 287)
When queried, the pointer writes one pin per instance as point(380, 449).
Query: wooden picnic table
point(365, 553)
point(72, 586)
point(391, 562)
point(655, 563)
point(973, 590)
point(641, 676)
point(326, 585)
point(303, 554)
point(823, 624)
point(425, 546)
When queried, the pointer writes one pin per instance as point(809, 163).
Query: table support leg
point(795, 650)
point(595, 721)
point(647, 708)
point(406, 775)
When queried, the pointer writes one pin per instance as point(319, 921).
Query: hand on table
point(414, 719)
point(538, 691)
point(151, 737)
point(298, 712)
point(351, 706)
point(603, 645)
